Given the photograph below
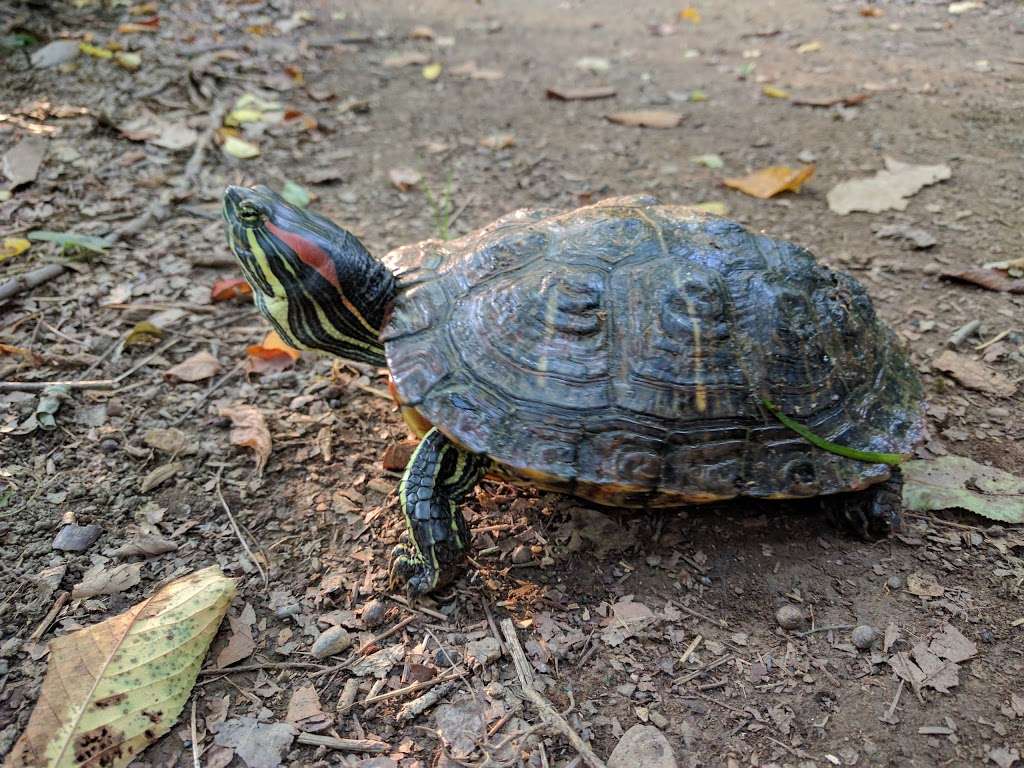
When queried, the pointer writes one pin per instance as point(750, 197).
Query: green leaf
point(870, 457)
point(71, 240)
point(116, 687)
point(296, 194)
point(956, 481)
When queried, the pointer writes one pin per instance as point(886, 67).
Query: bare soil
point(940, 88)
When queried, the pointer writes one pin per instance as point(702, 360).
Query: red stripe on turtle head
point(308, 252)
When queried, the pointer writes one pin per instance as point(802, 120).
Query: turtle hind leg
point(871, 514)
point(438, 476)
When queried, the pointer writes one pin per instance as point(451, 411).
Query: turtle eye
point(249, 214)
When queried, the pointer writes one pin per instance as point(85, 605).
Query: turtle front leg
point(871, 514)
point(437, 477)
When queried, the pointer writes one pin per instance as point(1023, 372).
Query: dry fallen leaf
point(956, 481)
point(887, 189)
point(105, 580)
point(249, 430)
point(303, 705)
point(460, 726)
point(404, 179)
point(770, 181)
point(114, 688)
point(924, 585)
point(271, 355)
point(974, 374)
point(647, 118)
point(498, 141)
point(162, 133)
point(145, 546)
point(690, 14)
point(170, 440)
point(580, 94)
point(21, 163)
point(989, 279)
point(773, 92)
point(201, 365)
point(230, 288)
point(259, 745)
point(432, 71)
point(240, 645)
point(829, 101)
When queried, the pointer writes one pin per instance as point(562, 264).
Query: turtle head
point(314, 281)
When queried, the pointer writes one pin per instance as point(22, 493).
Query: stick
point(195, 737)
point(259, 667)
point(698, 615)
point(348, 695)
point(55, 609)
point(444, 677)
point(343, 745)
point(824, 629)
point(416, 707)
point(422, 609)
point(706, 668)
point(547, 712)
point(238, 533)
point(690, 649)
point(32, 386)
point(372, 644)
point(28, 280)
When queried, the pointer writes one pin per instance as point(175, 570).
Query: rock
point(397, 455)
point(373, 612)
point(331, 641)
point(521, 554)
point(895, 582)
point(76, 538)
point(864, 636)
point(483, 651)
point(789, 617)
point(642, 745)
point(52, 54)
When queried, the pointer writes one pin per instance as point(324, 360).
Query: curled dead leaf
point(989, 279)
point(647, 118)
point(271, 355)
point(249, 430)
point(201, 365)
point(770, 181)
point(974, 374)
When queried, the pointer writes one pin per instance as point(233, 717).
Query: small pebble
point(789, 617)
point(109, 445)
point(373, 612)
point(894, 582)
point(76, 538)
point(863, 636)
point(443, 658)
point(331, 641)
point(521, 554)
point(986, 636)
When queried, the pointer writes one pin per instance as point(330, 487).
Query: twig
point(703, 670)
point(444, 677)
point(348, 695)
point(547, 712)
point(343, 745)
point(411, 709)
point(690, 649)
point(722, 704)
point(372, 643)
point(261, 667)
point(823, 629)
point(32, 386)
point(28, 280)
point(252, 557)
point(422, 609)
point(195, 737)
point(887, 717)
point(698, 615)
point(55, 609)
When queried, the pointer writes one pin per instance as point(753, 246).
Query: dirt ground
point(606, 603)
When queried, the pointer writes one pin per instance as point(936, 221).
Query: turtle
point(625, 352)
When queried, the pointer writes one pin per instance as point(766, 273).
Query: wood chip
point(647, 118)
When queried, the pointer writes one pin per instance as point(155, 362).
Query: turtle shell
point(623, 351)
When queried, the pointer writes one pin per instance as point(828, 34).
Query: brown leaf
point(249, 429)
point(170, 440)
point(145, 546)
point(404, 179)
point(974, 375)
point(230, 288)
point(240, 645)
point(950, 643)
point(160, 475)
point(104, 580)
point(989, 279)
point(397, 455)
point(924, 585)
point(770, 181)
point(647, 118)
point(21, 163)
point(580, 94)
point(303, 704)
point(201, 365)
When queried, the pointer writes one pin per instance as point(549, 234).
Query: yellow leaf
point(775, 93)
point(714, 207)
point(432, 71)
point(240, 148)
point(770, 181)
point(95, 51)
point(116, 687)
point(129, 61)
point(690, 14)
point(142, 335)
point(811, 47)
point(12, 246)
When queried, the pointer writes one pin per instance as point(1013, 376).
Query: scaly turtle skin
point(621, 352)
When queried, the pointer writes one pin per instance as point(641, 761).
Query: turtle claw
point(872, 514)
point(410, 570)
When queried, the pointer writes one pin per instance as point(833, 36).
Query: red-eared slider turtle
point(623, 352)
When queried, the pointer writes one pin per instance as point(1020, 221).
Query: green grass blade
point(872, 457)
